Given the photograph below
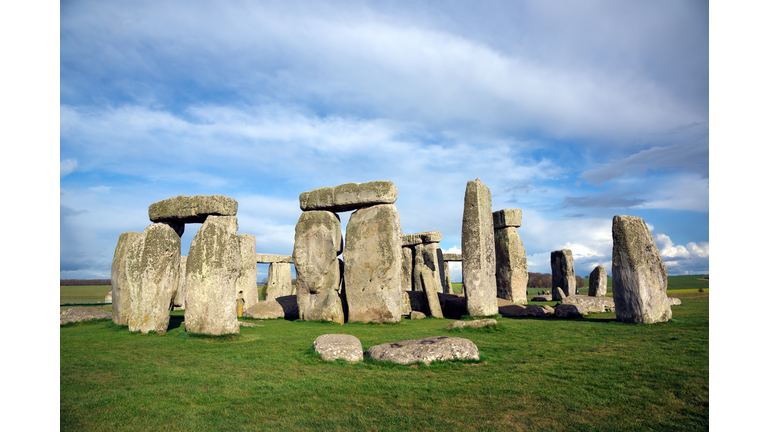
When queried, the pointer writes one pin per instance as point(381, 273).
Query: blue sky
point(572, 112)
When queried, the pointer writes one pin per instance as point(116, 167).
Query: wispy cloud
point(66, 167)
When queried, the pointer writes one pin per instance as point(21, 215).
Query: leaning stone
point(417, 315)
point(279, 280)
point(180, 292)
point(349, 196)
point(422, 238)
point(78, 314)
point(639, 274)
point(317, 244)
point(272, 258)
point(192, 209)
point(558, 294)
point(452, 257)
point(598, 282)
point(373, 261)
point(511, 266)
point(247, 282)
point(213, 266)
point(478, 251)
point(433, 264)
point(441, 266)
point(425, 350)
point(563, 275)
point(431, 291)
point(507, 218)
point(591, 304)
point(338, 346)
point(674, 301)
point(153, 276)
point(488, 322)
point(406, 272)
point(121, 293)
point(569, 310)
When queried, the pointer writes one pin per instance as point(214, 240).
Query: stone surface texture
point(406, 270)
point(78, 314)
point(339, 346)
point(487, 322)
point(121, 293)
point(447, 287)
point(272, 258)
point(247, 282)
point(373, 262)
point(279, 280)
point(317, 245)
point(598, 282)
point(674, 301)
point(430, 289)
point(417, 315)
point(639, 274)
point(569, 311)
point(591, 304)
point(282, 307)
point(180, 293)
point(422, 238)
point(192, 209)
point(349, 196)
point(563, 275)
point(108, 297)
point(153, 273)
point(213, 266)
point(414, 301)
point(539, 311)
point(452, 257)
point(511, 266)
point(425, 350)
point(433, 264)
point(478, 267)
point(507, 218)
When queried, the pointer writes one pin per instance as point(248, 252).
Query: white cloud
point(700, 249)
point(67, 166)
point(100, 189)
point(667, 249)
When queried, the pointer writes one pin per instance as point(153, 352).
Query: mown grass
point(535, 374)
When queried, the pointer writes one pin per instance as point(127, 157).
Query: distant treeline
point(544, 280)
point(78, 282)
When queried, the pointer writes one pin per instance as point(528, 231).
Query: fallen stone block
point(78, 314)
point(569, 311)
point(474, 324)
point(539, 311)
point(417, 315)
point(425, 350)
point(282, 307)
point(591, 304)
point(338, 346)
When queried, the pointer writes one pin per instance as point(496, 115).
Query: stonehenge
point(598, 282)
point(423, 258)
point(563, 275)
point(279, 274)
point(511, 264)
point(478, 268)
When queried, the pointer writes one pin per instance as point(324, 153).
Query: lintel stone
point(451, 257)
point(271, 258)
point(507, 218)
point(192, 209)
point(422, 238)
point(349, 196)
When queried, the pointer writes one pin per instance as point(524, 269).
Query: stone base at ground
point(453, 306)
point(425, 350)
point(591, 304)
point(339, 346)
point(539, 311)
point(417, 315)
point(78, 314)
point(474, 324)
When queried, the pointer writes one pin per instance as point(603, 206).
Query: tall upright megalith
point(246, 285)
point(213, 266)
point(121, 293)
point(639, 274)
point(317, 245)
point(278, 280)
point(598, 282)
point(373, 264)
point(563, 274)
point(478, 268)
point(153, 273)
point(511, 264)
point(180, 294)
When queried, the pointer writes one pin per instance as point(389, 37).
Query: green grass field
point(535, 374)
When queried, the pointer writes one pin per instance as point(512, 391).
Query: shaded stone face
point(373, 263)
point(180, 292)
point(279, 280)
point(639, 274)
point(563, 275)
point(430, 288)
point(317, 244)
point(153, 273)
point(511, 266)
point(247, 282)
point(598, 282)
point(418, 267)
point(192, 209)
point(213, 266)
point(507, 218)
point(478, 268)
point(406, 273)
point(121, 293)
point(447, 278)
point(349, 196)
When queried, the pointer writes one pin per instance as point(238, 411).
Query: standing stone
point(180, 292)
point(639, 274)
point(563, 275)
point(478, 268)
point(373, 262)
point(598, 282)
point(447, 280)
point(418, 267)
point(446, 288)
point(430, 288)
point(121, 293)
point(247, 282)
point(317, 244)
point(153, 274)
point(511, 266)
point(279, 280)
point(406, 273)
point(213, 266)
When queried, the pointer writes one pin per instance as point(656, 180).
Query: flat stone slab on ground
point(591, 304)
point(474, 324)
point(425, 350)
point(349, 196)
point(192, 209)
point(542, 298)
point(539, 311)
point(249, 324)
point(282, 307)
point(339, 346)
point(569, 310)
point(78, 314)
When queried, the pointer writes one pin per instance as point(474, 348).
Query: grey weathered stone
point(78, 314)
point(413, 301)
point(591, 304)
point(121, 293)
point(452, 257)
point(542, 298)
point(508, 309)
point(448, 287)
point(417, 315)
point(639, 274)
point(153, 274)
point(569, 310)
point(425, 350)
point(674, 301)
point(317, 244)
point(279, 280)
point(507, 218)
point(247, 282)
point(213, 266)
point(282, 307)
point(272, 258)
point(373, 261)
point(454, 306)
point(563, 275)
point(558, 292)
point(538, 311)
point(430, 289)
point(406, 271)
point(180, 292)
point(511, 266)
point(433, 264)
point(339, 346)
point(444, 287)
point(478, 267)
point(598, 282)
point(349, 196)
point(422, 238)
point(108, 297)
point(418, 267)
point(192, 209)
point(474, 324)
